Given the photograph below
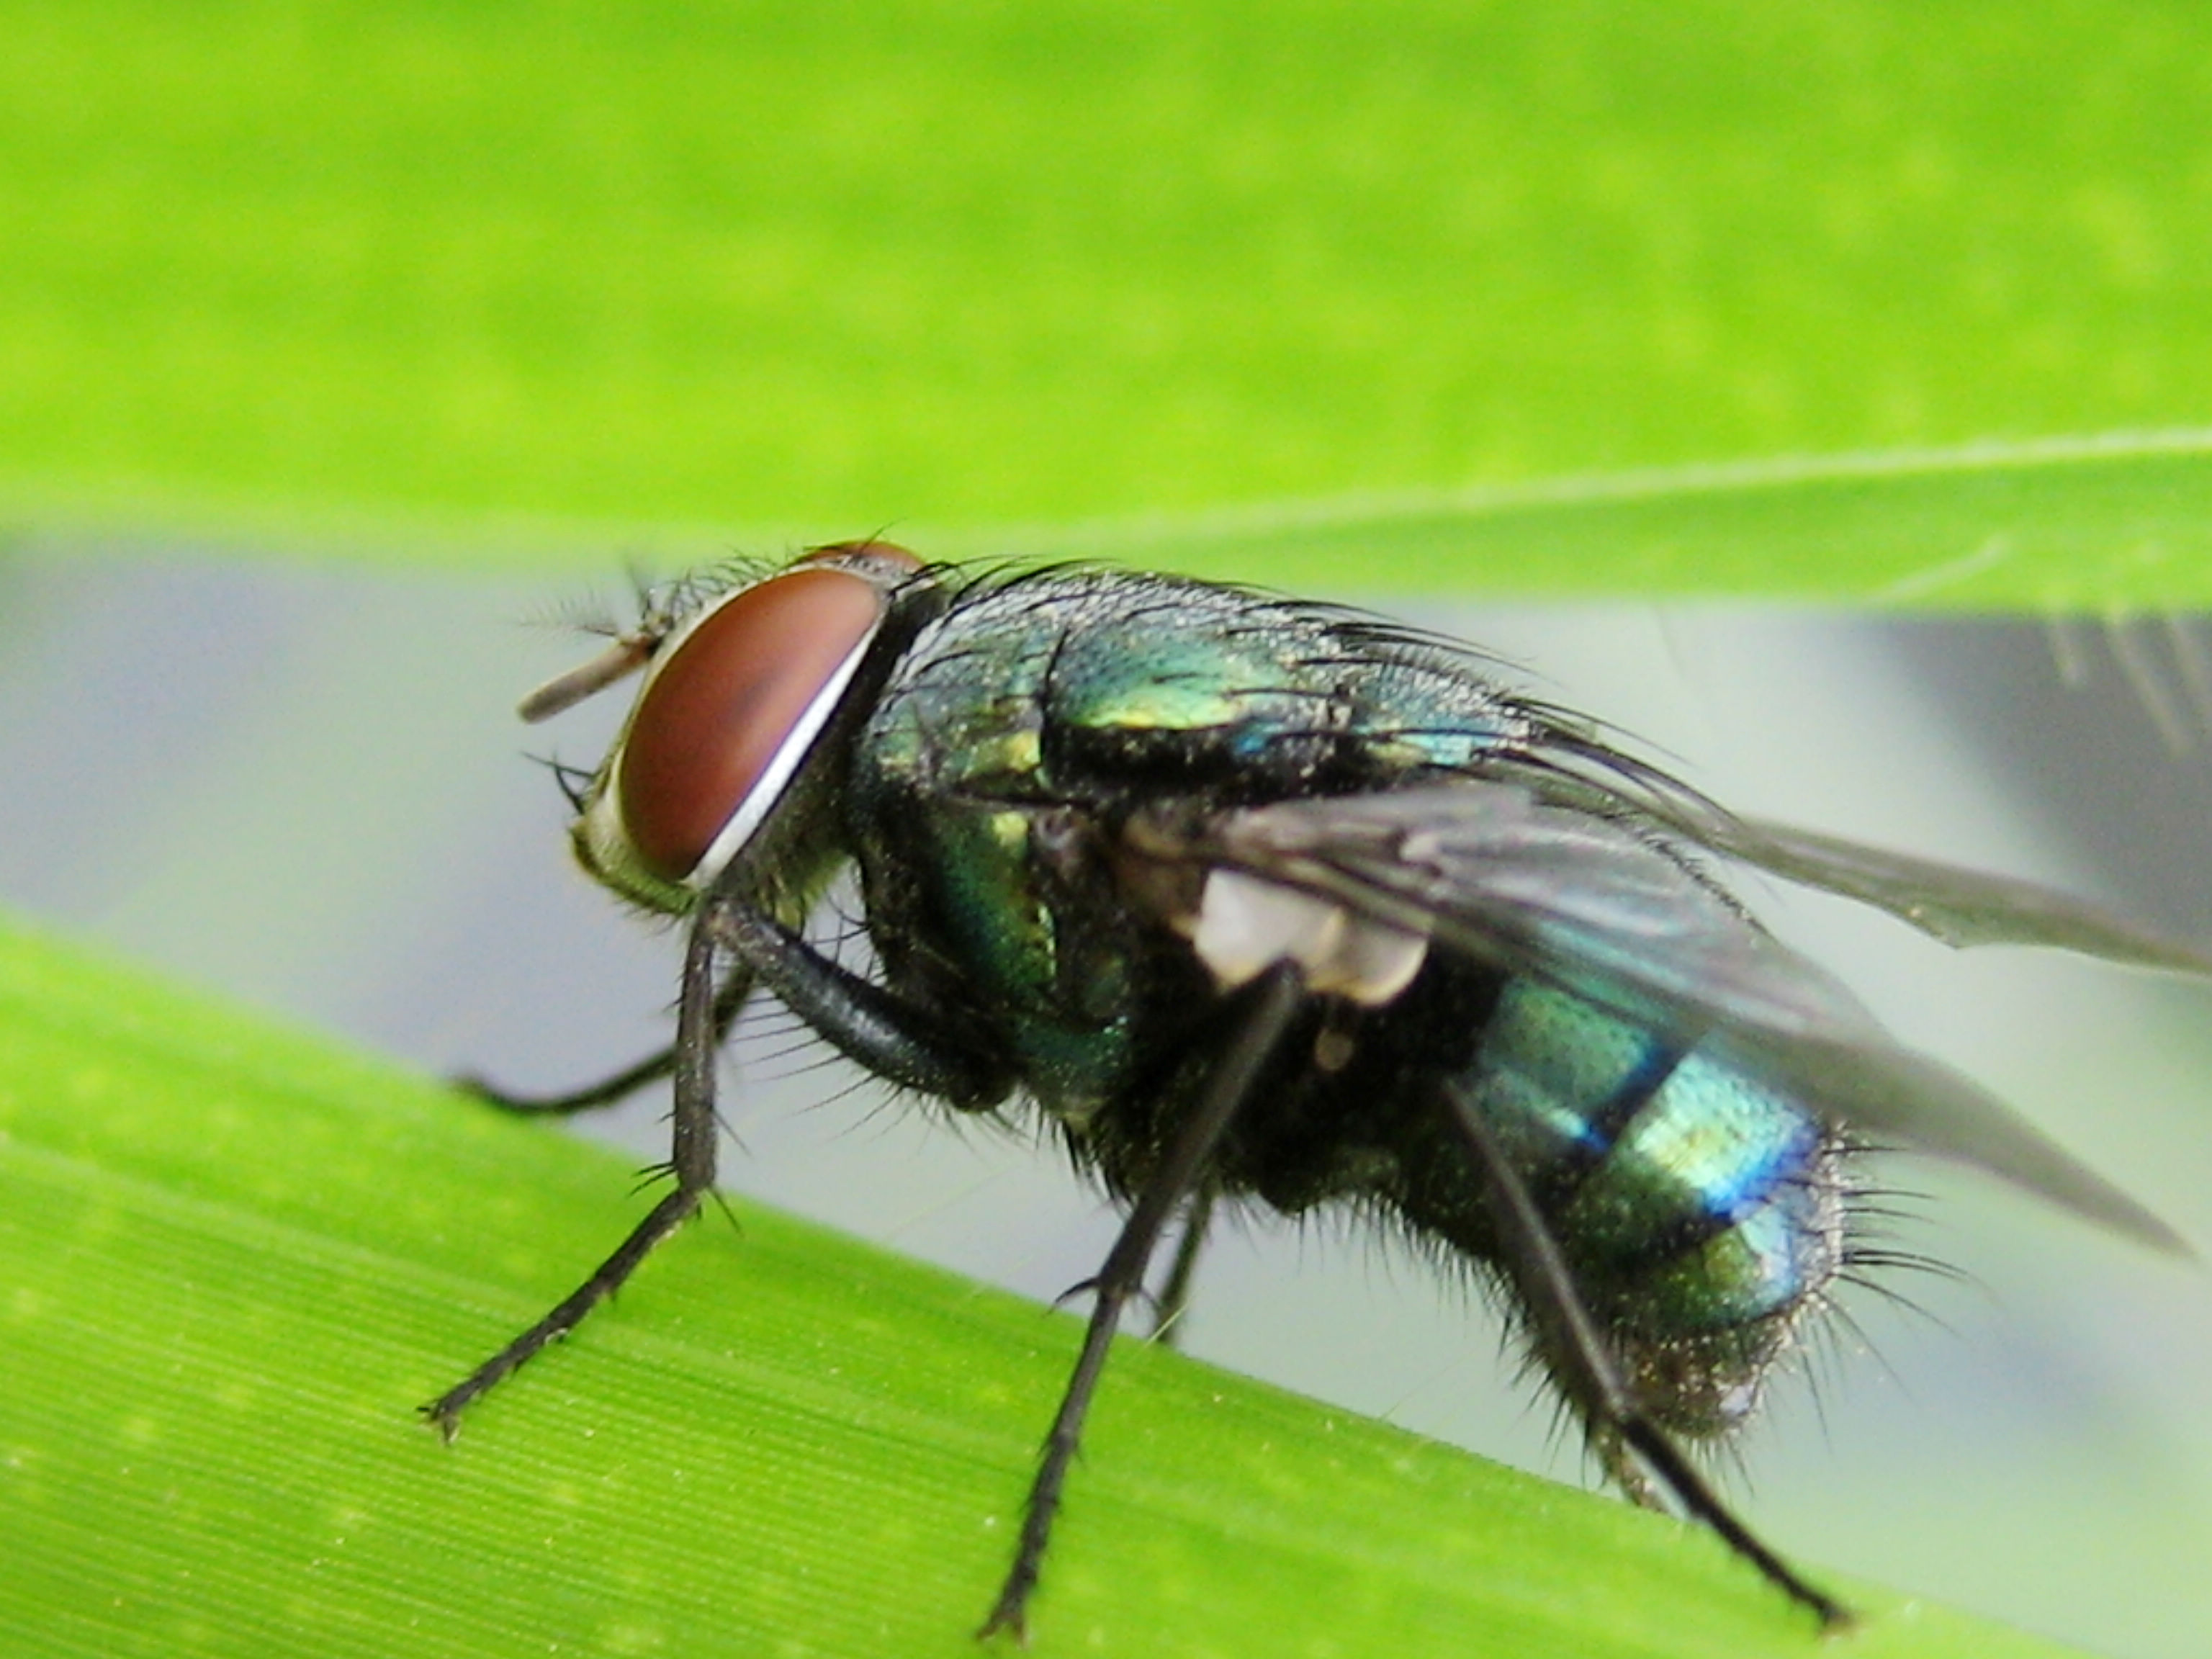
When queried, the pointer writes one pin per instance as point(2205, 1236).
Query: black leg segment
point(1182, 1172)
point(699, 1023)
point(729, 1001)
point(917, 1047)
point(1583, 1363)
point(1174, 1299)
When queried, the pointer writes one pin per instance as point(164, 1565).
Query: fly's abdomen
point(1702, 1210)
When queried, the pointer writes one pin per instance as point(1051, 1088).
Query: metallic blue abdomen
point(1701, 1208)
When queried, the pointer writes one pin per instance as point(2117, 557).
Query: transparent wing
point(1600, 906)
point(1962, 908)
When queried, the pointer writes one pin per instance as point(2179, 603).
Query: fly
point(1266, 902)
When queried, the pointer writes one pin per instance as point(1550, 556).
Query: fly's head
point(740, 687)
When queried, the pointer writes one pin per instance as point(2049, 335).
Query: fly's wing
point(1961, 907)
point(1598, 906)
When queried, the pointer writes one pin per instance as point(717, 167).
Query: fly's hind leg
point(699, 1023)
point(729, 1001)
point(1585, 1367)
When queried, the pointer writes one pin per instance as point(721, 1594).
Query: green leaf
point(596, 268)
point(235, 1259)
point(2106, 523)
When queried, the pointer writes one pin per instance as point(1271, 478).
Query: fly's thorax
point(1095, 684)
point(1029, 722)
point(738, 696)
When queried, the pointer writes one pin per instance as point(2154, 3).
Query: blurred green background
point(333, 337)
point(768, 266)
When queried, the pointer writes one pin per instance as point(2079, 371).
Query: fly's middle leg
point(1280, 994)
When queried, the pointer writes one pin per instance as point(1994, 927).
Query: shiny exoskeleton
point(1265, 901)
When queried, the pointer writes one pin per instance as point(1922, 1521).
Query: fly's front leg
point(901, 1042)
point(1179, 1175)
point(691, 1161)
point(1586, 1367)
point(729, 1002)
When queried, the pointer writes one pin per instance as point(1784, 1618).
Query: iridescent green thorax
point(1079, 691)
point(1025, 685)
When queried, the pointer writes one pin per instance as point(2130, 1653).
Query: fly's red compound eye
point(730, 713)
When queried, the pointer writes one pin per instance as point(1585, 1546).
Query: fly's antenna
point(563, 691)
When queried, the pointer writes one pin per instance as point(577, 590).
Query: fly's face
point(738, 692)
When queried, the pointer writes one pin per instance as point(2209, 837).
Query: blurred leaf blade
point(236, 1258)
point(685, 264)
point(2111, 524)
point(2117, 523)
